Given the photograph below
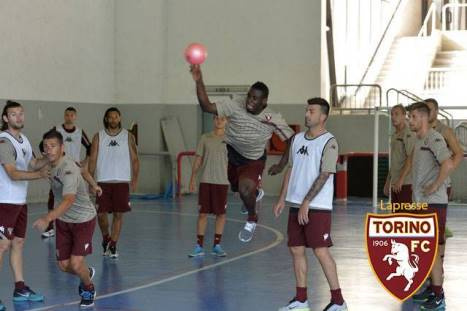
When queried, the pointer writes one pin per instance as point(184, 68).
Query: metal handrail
point(405, 93)
point(358, 86)
point(412, 94)
point(431, 13)
point(380, 42)
point(445, 114)
point(444, 12)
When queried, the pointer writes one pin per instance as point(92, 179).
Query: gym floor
point(154, 272)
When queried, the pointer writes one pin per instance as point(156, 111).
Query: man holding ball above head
point(251, 125)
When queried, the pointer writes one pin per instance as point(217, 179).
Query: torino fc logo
point(401, 249)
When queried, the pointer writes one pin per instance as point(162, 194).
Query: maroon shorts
point(115, 198)
point(74, 238)
point(404, 196)
point(441, 211)
point(316, 233)
point(252, 170)
point(212, 199)
point(13, 221)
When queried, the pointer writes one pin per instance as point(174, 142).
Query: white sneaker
point(243, 211)
point(296, 305)
point(48, 234)
point(260, 195)
point(246, 234)
point(335, 307)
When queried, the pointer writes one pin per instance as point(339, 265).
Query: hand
point(192, 185)
point(275, 169)
point(196, 72)
point(278, 208)
point(45, 172)
point(303, 213)
point(398, 185)
point(41, 224)
point(386, 189)
point(97, 190)
point(429, 189)
point(133, 185)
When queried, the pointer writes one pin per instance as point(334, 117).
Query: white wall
point(140, 51)
point(57, 50)
point(271, 40)
point(104, 51)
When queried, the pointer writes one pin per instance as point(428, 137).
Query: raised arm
point(203, 98)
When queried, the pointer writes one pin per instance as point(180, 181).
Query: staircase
point(406, 64)
point(446, 78)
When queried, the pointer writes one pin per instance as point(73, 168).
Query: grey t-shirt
point(429, 153)
point(66, 179)
point(247, 133)
point(7, 152)
point(401, 148)
point(213, 150)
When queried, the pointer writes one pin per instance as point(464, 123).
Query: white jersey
point(113, 159)
point(72, 142)
point(15, 191)
point(306, 156)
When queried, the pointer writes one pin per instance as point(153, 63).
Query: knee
point(17, 243)
point(4, 246)
point(64, 265)
point(75, 263)
point(118, 216)
point(321, 252)
point(297, 251)
point(203, 216)
point(246, 189)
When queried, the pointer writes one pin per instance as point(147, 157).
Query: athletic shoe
point(296, 305)
point(113, 251)
point(105, 247)
point(48, 234)
point(259, 197)
point(26, 294)
point(434, 303)
point(423, 296)
point(259, 194)
point(87, 298)
point(335, 307)
point(218, 251)
point(92, 273)
point(448, 233)
point(197, 252)
point(246, 234)
point(2, 306)
point(243, 211)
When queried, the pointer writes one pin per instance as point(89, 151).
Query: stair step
point(449, 62)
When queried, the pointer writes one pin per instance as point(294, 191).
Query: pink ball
point(196, 53)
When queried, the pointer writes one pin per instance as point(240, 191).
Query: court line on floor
point(279, 238)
